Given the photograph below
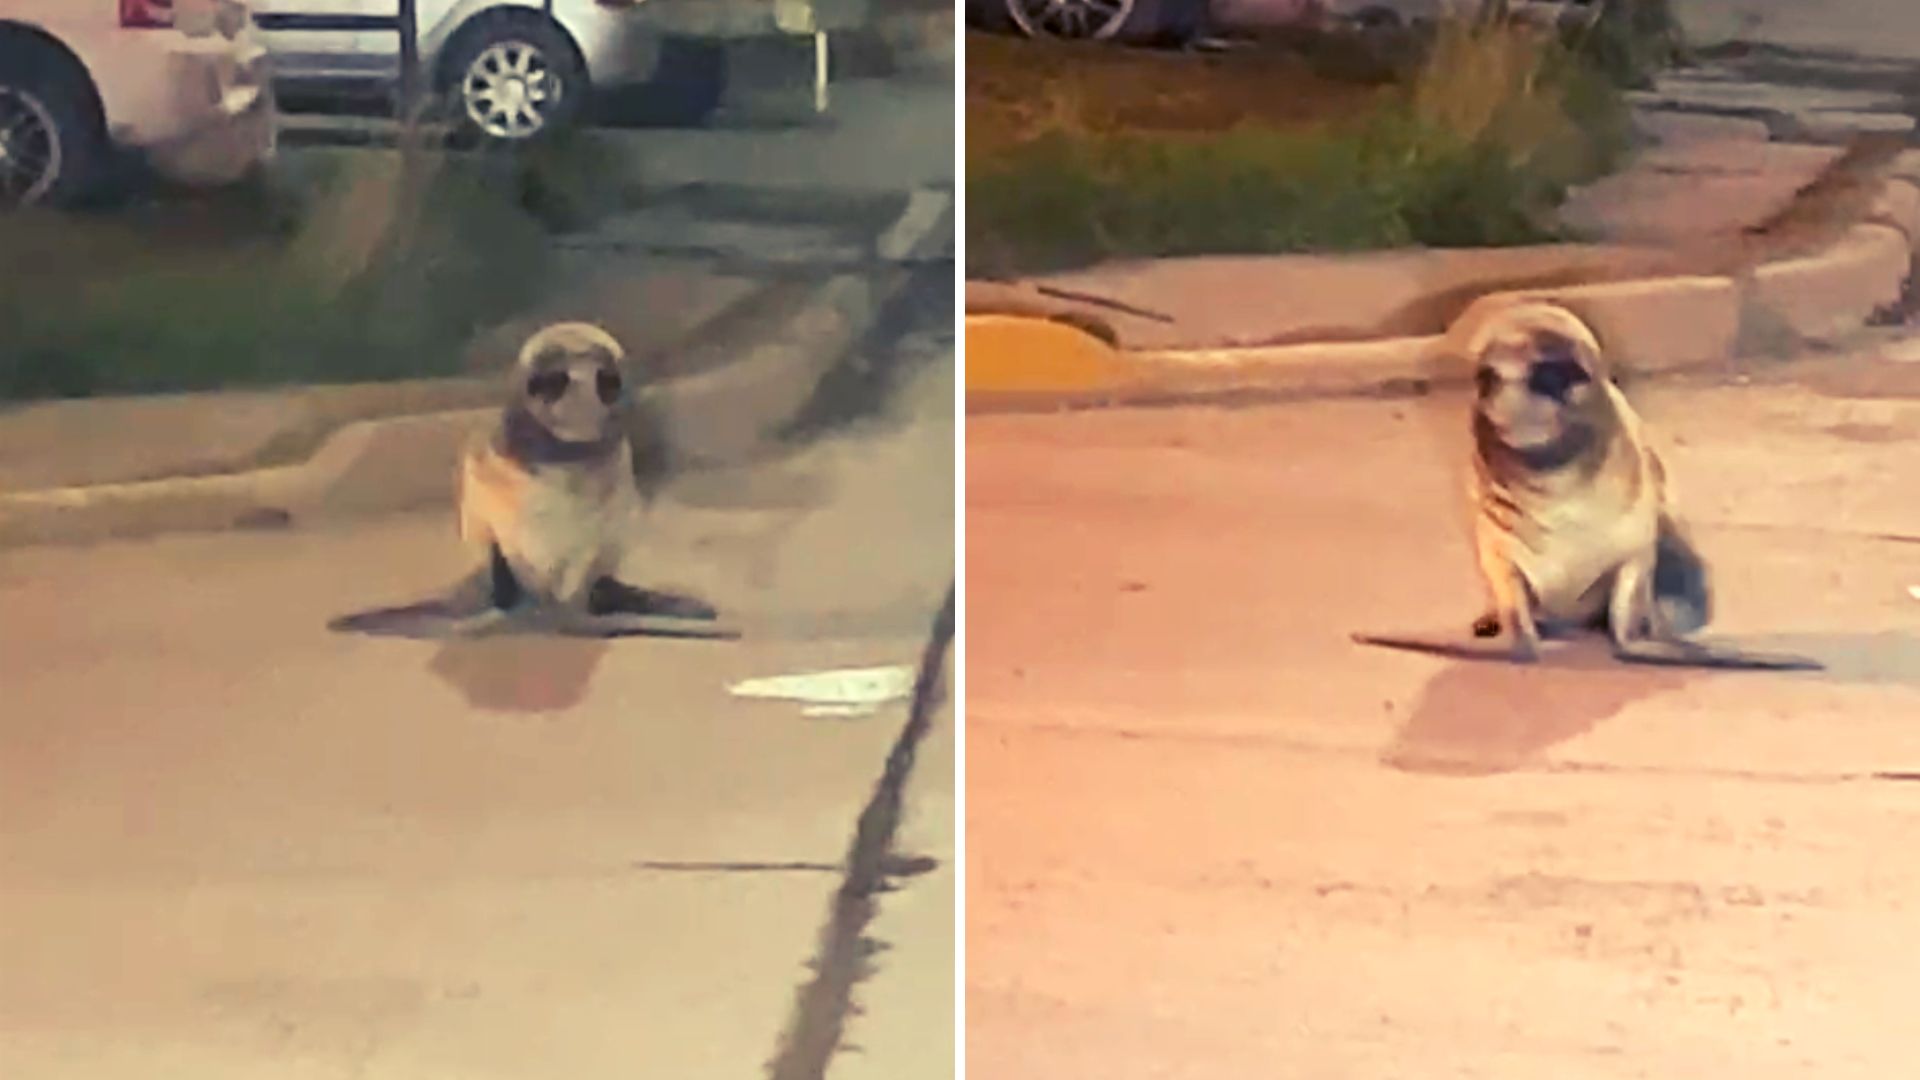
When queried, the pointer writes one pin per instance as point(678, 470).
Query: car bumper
point(226, 145)
point(201, 111)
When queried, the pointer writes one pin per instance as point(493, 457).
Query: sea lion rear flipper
point(611, 596)
point(624, 625)
point(1696, 654)
point(1680, 581)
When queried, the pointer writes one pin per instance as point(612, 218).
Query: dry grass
point(332, 276)
point(1018, 91)
point(1079, 153)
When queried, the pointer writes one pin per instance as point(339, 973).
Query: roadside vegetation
point(329, 269)
point(1324, 143)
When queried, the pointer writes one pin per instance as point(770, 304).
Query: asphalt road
point(235, 845)
point(1208, 837)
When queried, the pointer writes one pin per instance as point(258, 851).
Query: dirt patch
point(1018, 89)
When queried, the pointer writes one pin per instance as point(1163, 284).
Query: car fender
point(579, 21)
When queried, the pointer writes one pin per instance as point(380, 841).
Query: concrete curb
point(205, 434)
point(907, 40)
point(1650, 325)
point(407, 462)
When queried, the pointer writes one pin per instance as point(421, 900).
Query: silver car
point(518, 68)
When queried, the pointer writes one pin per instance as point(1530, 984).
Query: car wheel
point(52, 148)
point(1134, 21)
point(1378, 18)
point(515, 79)
point(686, 88)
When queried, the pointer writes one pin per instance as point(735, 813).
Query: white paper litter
point(845, 692)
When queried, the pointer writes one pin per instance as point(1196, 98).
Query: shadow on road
point(1885, 658)
point(521, 674)
point(1477, 719)
point(1482, 719)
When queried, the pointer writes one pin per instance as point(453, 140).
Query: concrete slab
point(1823, 296)
point(1679, 127)
point(1859, 28)
point(1693, 89)
point(1838, 126)
point(1688, 190)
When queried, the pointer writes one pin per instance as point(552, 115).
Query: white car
point(185, 84)
point(518, 68)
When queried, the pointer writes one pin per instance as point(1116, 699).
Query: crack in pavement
point(896, 866)
point(822, 1005)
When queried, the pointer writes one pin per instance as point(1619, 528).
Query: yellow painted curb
point(1021, 354)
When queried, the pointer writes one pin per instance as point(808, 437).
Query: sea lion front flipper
point(465, 610)
point(429, 620)
point(1453, 650)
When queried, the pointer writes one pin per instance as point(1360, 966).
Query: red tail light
point(146, 14)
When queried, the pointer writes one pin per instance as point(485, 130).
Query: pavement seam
point(822, 1005)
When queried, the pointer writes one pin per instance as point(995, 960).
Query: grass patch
point(329, 270)
point(1631, 40)
point(1136, 154)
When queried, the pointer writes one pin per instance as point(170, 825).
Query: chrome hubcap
point(1070, 18)
point(29, 148)
point(509, 91)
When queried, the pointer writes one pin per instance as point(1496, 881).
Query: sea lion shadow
point(520, 674)
point(1483, 719)
point(520, 662)
point(1480, 718)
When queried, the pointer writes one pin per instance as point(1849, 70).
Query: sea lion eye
point(1556, 378)
point(548, 386)
point(607, 384)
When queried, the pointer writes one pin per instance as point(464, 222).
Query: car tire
point(1379, 19)
point(49, 103)
point(1139, 22)
point(513, 78)
point(685, 89)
